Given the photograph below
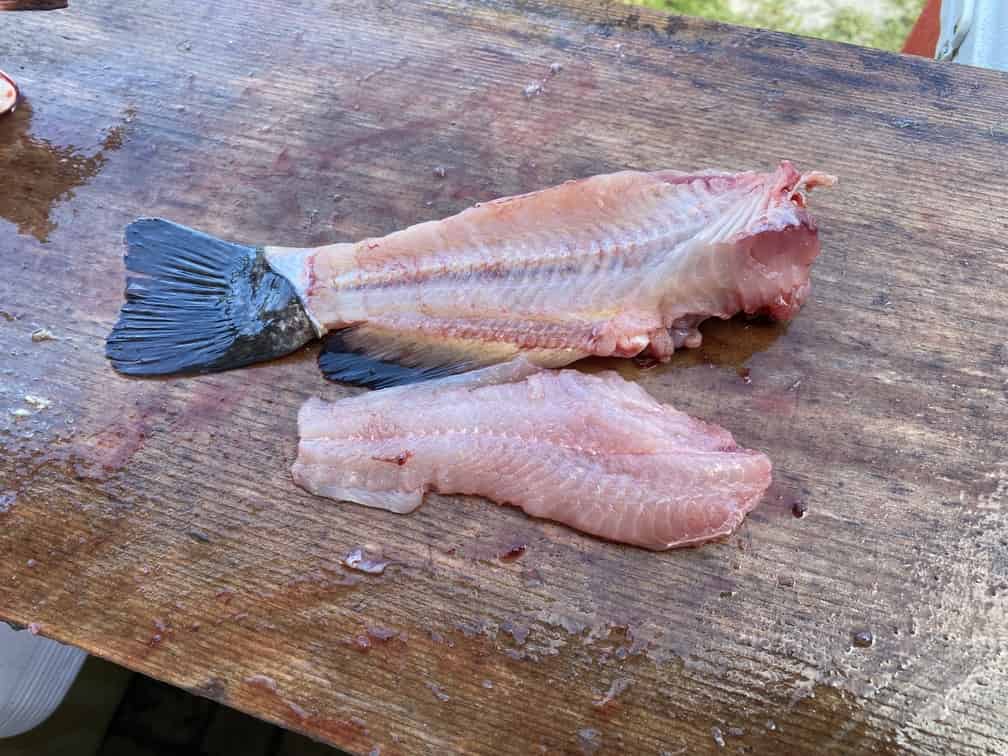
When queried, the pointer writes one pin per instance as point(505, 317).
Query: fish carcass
point(613, 265)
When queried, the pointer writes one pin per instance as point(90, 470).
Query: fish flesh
point(622, 265)
point(594, 452)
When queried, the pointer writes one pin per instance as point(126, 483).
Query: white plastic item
point(35, 675)
point(974, 32)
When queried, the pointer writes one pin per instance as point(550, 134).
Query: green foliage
point(851, 25)
point(716, 9)
point(846, 24)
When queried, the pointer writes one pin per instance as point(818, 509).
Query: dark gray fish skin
point(198, 304)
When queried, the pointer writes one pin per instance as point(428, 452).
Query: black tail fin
point(197, 304)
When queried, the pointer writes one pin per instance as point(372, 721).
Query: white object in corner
point(35, 675)
point(974, 32)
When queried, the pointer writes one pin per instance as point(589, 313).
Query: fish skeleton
point(594, 452)
point(617, 265)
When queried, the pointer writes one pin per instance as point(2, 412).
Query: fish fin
point(516, 369)
point(197, 304)
point(512, 371)
point(400, 502)
point(376, 357)
point(317, 480)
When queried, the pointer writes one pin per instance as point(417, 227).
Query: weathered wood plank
point(166, 534)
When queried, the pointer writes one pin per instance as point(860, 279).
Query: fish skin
point(594, 452)
point(611, 265)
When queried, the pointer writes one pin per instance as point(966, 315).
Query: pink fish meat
point(595, 452)
point(613, 265)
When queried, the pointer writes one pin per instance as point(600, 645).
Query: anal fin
point(377, 357)
point(380, 357)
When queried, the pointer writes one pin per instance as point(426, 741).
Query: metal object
point(9, 94)
point(974, 32)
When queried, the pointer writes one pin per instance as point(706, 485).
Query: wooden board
point(154, 522)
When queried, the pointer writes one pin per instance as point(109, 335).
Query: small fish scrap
point(42, 334)
point(359, 560)
point(619, 685)
point(7, 500)
point(262, 681)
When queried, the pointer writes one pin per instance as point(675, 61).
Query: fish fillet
point(595, 452)
point(612, 265)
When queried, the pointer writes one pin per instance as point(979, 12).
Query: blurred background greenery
point(874, 23)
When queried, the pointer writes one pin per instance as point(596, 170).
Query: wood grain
point(165, 531)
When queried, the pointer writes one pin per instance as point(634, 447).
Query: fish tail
point(197, 304)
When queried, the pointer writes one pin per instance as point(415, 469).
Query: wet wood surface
point(154, 522)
